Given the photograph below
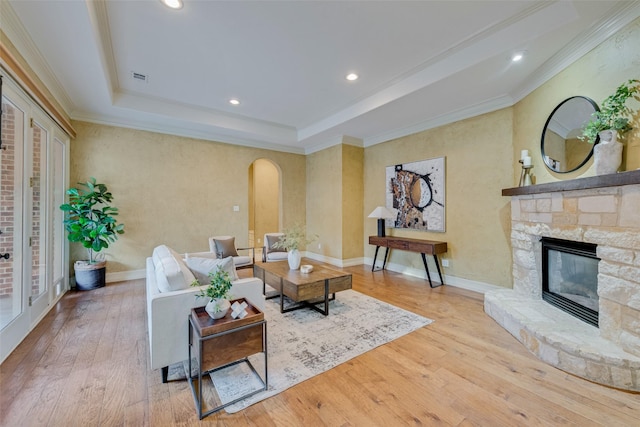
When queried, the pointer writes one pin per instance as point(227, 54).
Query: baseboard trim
point(449, 280)
point(121, 276)
point(458, 282)
point(335, 261)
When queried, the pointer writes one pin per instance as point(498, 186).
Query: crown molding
point(624, 14)
point(21, 39)
point(181, 131)
point(455, 116)
point(99, 19)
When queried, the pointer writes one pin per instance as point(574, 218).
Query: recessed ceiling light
point(352, 77)
point(517, 56)
point(173, 4)
point(234, 101)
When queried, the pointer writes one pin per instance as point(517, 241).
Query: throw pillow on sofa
point(171, 272)
point(202, 267)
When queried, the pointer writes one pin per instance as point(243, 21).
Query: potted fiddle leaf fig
point(90, 220)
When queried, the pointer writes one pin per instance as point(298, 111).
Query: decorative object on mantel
point(382, 214)
point(217, 292)
point(293, 239)
point(613, 118)
point(525, 175)
point(607, 153)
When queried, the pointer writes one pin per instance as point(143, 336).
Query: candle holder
point(525, 175)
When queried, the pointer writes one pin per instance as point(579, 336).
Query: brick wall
point(7, 197)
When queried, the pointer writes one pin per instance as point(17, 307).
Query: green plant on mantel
point(614, 114)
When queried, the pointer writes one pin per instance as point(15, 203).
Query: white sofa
point(170, 299)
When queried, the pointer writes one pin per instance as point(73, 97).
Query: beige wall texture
point(174, 190)
point(478, 155)
point(352, 201)
point(596, 75)
point(324, 201)
point(266, 201)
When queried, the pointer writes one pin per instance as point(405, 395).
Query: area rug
point(305, 343)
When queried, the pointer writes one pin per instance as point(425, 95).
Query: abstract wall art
point(416, 193)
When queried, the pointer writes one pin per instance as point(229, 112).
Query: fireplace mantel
point(612, 180)
point(600, 210)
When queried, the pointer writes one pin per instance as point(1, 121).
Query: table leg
point(326, 297)
point(435, 257)
point(426, 267)
point(386, 252)
point(374, 259)
point(281, 296)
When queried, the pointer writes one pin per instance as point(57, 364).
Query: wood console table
point(424, 247)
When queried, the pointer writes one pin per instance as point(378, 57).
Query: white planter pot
point(607, 154)
point(294, 259)
point(217, 308)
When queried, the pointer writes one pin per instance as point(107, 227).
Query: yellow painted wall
point(324, 200)
point(478, 155)
point(596, 75)
point(266, 199)
point(174, 190)
point(352, 201)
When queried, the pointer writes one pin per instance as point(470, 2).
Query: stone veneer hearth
point(600, 210)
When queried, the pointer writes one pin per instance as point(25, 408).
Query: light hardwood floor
point(86, 364)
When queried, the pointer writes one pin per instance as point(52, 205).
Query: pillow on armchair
point(226, 247)
point(272, 240)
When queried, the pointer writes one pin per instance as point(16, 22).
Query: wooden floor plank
point(87, 363)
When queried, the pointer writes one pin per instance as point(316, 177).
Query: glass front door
point(12, 305)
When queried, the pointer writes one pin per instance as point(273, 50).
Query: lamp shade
point(382, 212)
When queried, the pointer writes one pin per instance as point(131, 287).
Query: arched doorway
point(265, 200)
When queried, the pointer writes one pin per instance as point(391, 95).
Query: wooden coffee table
point(306, 290)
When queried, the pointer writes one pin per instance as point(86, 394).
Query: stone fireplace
point(602, 211)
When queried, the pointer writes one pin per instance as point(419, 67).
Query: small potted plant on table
point(217, 292)
point(90, 220)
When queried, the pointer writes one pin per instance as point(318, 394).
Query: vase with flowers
point(217, 292)
point(292, 241)
point(613, 118)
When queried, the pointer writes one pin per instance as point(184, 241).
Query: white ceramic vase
point(217, 308)
point(294, 259)
point(607, 154)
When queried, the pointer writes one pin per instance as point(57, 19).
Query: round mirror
point(562, 151)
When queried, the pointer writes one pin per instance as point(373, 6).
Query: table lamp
point(381, 213)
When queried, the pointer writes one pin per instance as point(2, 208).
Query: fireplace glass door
point(570, 277)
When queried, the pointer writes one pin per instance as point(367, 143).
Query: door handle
point(5, 256)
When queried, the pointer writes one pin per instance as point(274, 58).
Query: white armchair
point(269, 253)
point(224, 246)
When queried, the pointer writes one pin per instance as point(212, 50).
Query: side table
point(217, 344)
